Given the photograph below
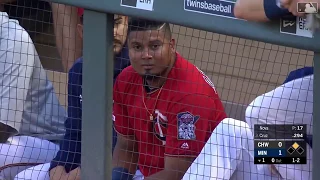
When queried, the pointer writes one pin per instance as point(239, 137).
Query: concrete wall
point(241, 69)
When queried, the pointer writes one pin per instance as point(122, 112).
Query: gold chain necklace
point(155, 104)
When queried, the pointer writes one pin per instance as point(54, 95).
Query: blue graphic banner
point(269, 152)
point(211, 7)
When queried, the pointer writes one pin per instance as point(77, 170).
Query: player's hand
point(291, 5)
point(59, 173)
point(286, 3)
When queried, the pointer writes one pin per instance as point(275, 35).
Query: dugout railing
point(97, 50)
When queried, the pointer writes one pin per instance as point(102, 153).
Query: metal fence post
point(316, 115)
point(97, 88)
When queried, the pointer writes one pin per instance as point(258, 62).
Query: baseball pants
point(24, 149)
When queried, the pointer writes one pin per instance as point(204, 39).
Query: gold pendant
point(151, 117)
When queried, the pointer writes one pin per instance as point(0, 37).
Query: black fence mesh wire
point(38, 96)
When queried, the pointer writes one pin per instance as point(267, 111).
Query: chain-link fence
point(185, 101)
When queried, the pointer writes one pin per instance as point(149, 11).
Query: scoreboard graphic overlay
point(280, 144)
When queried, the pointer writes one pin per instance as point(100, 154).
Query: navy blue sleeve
point(299, 73)
point(69, 154)
point(273, 11)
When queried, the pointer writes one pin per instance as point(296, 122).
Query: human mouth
point(147, 66)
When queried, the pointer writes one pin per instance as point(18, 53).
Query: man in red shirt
point(165, 108)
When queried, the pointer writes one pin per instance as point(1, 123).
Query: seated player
point(229, 155)
point(259, 10)
point(66, 164)
point(165, 108)
point(69, 45)
point(31, 118)
point(290, 103)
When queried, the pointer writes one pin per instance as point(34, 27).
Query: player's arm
point(69, 154)
point(258, 10)
point(125, 154)
point(17, 57)
point(182, 148)
point(290, 103)
point(69, 45)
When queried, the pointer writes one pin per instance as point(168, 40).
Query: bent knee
point(254, 112)
point(40, 172)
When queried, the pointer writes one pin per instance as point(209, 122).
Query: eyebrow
point(134, 41)
point(137, 41)
point(155, 40)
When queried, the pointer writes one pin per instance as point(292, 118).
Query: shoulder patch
point(186, 126)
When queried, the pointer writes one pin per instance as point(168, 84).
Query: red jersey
point(187, 111)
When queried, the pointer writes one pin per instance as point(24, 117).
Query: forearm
point(252, 10)
point(166, 174)
point(69, 45)
point(69, 154)
point(125, 158)
point(175, 168)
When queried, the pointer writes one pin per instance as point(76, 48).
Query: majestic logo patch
point(186, 126)
point(185, 146)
